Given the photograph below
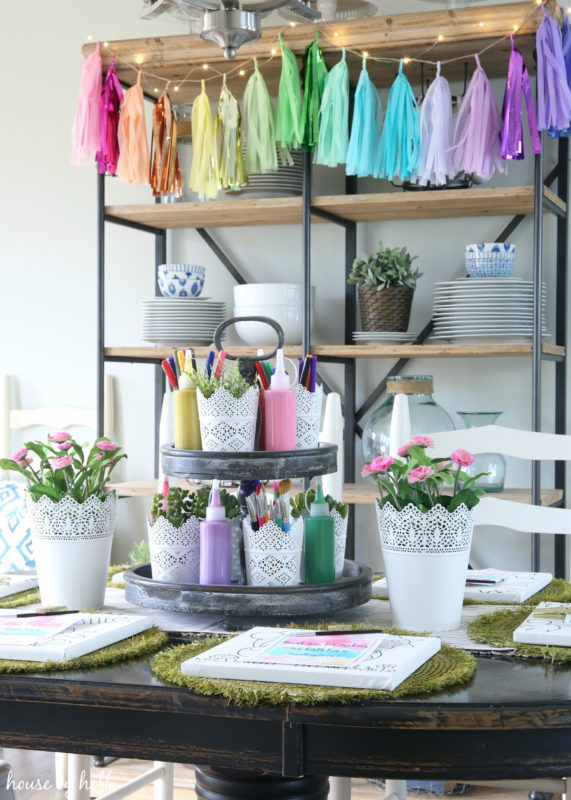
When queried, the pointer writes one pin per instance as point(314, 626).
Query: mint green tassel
point(334, 117)
point(315, 74)
point(399, 149)
point(260, 136)
point(227, 133)
point(288, 112)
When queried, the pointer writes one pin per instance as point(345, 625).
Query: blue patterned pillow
point(15, 538)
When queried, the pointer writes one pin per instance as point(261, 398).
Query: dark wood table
point(512, 721)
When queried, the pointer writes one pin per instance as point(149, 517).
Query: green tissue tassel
point(227, 132)
point(315, 74)
point(334, 117)
point(288, 112)
point(261, 141)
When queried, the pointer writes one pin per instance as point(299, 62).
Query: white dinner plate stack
point(384, 337)
point(180, 321)
point(285, 182)
point(484, 309)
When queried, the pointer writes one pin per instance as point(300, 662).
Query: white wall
point(48, 246)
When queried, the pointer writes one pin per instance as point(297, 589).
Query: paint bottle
point(279, 406)
point(215, 542)
point(319, 534)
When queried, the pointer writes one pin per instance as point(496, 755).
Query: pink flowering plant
point(61, 467)
point(425, 482)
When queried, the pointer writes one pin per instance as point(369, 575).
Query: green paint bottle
point(319, 533)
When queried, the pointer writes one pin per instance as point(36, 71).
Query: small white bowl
point(181, 280)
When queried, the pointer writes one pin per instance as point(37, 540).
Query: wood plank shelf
point(463, 31)
point(478, 202)
point(353, 493)
point(350, 351)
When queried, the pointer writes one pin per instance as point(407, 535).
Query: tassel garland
point(133, 164)
point(512, 128)
point(288, 111)
point(365, 128)
point(553, 95)
point(399, 149)
point(204, 166)
point(109, 107)
point(315, 74)
point(261, 153)
point(436, 165)
point(477, 131)
point(85, 133)
point(228, 135)
point(566, 48)
point(333, 138)
point(164, 168)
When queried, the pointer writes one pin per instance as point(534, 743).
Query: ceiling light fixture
point(228, 23)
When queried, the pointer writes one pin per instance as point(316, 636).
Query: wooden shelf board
point(353, 493)
point(464, 30)
point(503, 349)
point(478, 202)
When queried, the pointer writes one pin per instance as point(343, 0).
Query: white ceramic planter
point(226, 423)
point(273, 557)
point(340, 541)
point(308, 416)
point(72, 546)
point(426, 558)
point(175, 552)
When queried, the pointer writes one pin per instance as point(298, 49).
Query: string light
point(274, 51)
point(90, 38)
point(335, 33)
point(515, 27)
point(105, 44)
point(406, 60)
point(365, 54)
point(205, 66)
point(176, 88)
point(156, 90)
point(481, 24)
point(242, 72)
point(139, 59)
point(441, 37)
point(292, 24)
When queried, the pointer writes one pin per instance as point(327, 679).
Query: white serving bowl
point(272, 294)
point(260, 335)
point(181, 280)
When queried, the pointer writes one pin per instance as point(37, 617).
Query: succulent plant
point(385, 268)
point(303, 500)
point(181, 505)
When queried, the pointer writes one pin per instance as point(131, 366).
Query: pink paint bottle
point(279, 405)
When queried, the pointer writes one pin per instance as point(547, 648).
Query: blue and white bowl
point(181, 280)
point(490, 259)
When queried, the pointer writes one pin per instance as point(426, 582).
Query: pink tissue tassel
point(512, 110)
point(553, 95)
point(133, 164)
point(85, 133)
point(477, 130)
point(435, 133)
point(111, 97)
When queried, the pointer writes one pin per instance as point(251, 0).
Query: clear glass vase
point(426, 416)
point(492, 463)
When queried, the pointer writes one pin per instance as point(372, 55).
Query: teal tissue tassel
point(398, 154)
point(365, 128)
point(315, 74)
point(334, 117)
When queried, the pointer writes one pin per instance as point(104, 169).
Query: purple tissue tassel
point(109, 109)
point(553, 95)
point(512, 129)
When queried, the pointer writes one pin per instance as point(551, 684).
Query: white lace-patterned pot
point(227, 423)
point(340, 541)
point(307, 416)
point(426, 558)
point(273, 556)
point(175, 552)
point(72, 546)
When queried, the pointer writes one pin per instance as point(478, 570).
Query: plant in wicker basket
point(386, 281)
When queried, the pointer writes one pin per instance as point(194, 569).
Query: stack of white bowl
point(279, 301)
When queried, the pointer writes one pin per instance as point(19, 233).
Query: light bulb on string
point(440, 37)
point(105, 44)
point(139, 59)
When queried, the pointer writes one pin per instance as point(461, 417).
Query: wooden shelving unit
point(355, 351)
point(479, 202)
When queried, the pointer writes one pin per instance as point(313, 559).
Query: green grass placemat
point(449, 667)
point(497, 629)
point(142, 644)
point(558, 591)
point(20, 599)
point(113, 570)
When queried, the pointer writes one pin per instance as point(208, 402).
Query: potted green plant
point(386, 281)
point(174, 532)
point(426, 517)
point(71, 515)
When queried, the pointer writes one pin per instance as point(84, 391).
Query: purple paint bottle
point(215, 542)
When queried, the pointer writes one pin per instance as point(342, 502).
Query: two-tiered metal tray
point(352, 589)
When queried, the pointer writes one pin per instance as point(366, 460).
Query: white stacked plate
point(482, 309)
point(285, 181)
point(180, 321)
point(384, 337)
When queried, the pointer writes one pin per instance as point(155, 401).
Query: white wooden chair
point(73, 770)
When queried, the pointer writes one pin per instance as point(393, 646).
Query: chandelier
point(228, 23)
